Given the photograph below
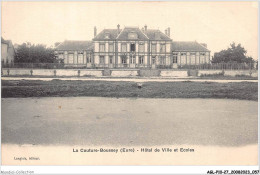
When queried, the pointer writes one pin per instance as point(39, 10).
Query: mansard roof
point(75, 45)
point(188, 46)
point(112, 33)
point(124, 34)
point(154, 34)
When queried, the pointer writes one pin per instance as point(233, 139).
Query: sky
point(216, 23)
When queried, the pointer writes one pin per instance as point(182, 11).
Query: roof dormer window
point(107, 35)
point(132, 35)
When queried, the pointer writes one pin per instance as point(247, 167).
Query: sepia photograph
point(129, 83)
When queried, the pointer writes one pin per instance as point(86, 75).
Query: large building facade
point(132, 47)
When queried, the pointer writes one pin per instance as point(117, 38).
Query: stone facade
point(7, 52)
point(132, 47)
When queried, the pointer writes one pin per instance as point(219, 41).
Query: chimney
point(142, 29)
point(145, 28)
point(118, 29)
point(95, 31)
point(166, 32)
point(169, 32)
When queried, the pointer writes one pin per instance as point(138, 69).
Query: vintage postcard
point(129, 83)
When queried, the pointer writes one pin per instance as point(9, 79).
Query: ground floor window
point(101, 59)
point(141, 59)
point(153, 59)
point(174, 58)
point(80, 58)
point(88, 59)
point(123, 59)
point(111, 59)
point(132, 59)
point(71, 57)
point(162, 60)
point(60, 56)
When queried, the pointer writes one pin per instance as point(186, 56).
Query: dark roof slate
point(154, 34)
point(188, 46)
point(102, 35)
point(75, 45)
point(124, 34)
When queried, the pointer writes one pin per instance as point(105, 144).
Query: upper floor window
point(141, 47)
point(153, 48)
point(202, 53)
point(183, 54)
point(111, 47)
point(132, 47)
point(123, 48)
point(162, 47)
point(102, 47)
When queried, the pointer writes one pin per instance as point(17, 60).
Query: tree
point(27, 53)
point(234, 54)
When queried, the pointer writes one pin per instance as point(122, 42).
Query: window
point(153, 59)
point(60, 56)
point(71, 57)
point(132, 47)
point(123, 59)
point(132, 35)
point(132, 59)
point(101, 60)
point(202, 54)
point(174, 58)
point(162, 60)
point(88, 59)
point(162, 47)
point(80, 58)
point(123, 48)
point(141, 59)
point(111, 47)
point(102, 47)
point(192, 57)
point(111, 59)
point(141, 47)
point(153, 48)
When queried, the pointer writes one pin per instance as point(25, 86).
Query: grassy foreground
point(186, 89)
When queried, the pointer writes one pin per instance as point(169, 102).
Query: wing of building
point(132, 47)
point(7, 52)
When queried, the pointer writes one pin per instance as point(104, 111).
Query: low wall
point(121, 73)
point(174, 73)
point(16, 72)
point(124, 73)
point(149, 73)
point(208, 72)
point(51, 72)
point(95, 73)
point(234, 73)
point(43, 72)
